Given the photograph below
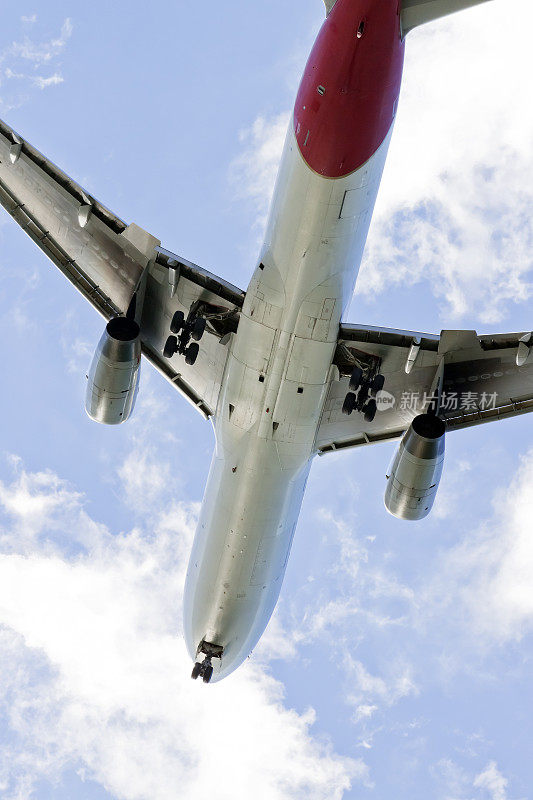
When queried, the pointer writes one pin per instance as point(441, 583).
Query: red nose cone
point(349, 92)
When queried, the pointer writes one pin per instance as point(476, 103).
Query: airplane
point(278, 372)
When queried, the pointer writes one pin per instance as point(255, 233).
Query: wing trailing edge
point(418, 12)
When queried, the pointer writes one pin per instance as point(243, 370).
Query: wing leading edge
point(105, 259)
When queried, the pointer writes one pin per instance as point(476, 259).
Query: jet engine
point(113, 378)
point(414, 475)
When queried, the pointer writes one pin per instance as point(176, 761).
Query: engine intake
point(415, 472)
point(113, 379)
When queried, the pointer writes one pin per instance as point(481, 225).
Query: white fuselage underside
point(275, 383)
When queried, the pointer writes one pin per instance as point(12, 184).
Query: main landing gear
point(183, 330)
point(362, 394)
point(204, 669)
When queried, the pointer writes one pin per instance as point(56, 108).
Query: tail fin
point(417, 12)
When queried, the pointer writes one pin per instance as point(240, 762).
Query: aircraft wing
point(484, 378)
point(105, 259)
point(418, 12)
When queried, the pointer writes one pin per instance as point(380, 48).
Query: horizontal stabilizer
point(417, 12)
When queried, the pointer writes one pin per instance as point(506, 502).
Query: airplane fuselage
point(280, 362)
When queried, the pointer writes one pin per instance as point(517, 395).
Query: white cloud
point(457, 783)
point(253, 172)
point(95, 673)
point(364, 711)
point(30, 52)
point(9, 73)
point(44, 83)
point(452, 778)
point(452, 490)
point(78, 353)
point(491, 570)
point(454, 205)
point(493, 781)
point(31, 502)
point(41, 52)
point(143, 477)
point(396, 684)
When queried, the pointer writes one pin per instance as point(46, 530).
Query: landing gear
point(362, 396)
point(377, 383)
point(171, 347)
point(349, 403)
point(356, 379)
point(191, 353)
point(182, 331)
point(196, 671)
point(204, 669)
point(370, 410)
point(198, 328)
point(364, 385)
point(178, 321)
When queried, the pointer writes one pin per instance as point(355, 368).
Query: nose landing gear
point(204, 669)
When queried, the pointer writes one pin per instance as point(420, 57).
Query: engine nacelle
point(113, 379)
point(414, 475)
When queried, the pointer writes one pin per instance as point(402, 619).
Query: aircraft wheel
point(171, 347)
point(377, 383)
point(349, 403)
point(208, 674)
point(370, 411)
point(196, 670)
point(356, 378)
point(178, 321)
point(198, 328)
point(362, 396)
point(191, 353)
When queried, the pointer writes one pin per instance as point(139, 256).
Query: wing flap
point(77, 193)
point(57, 254)
point(49, 211)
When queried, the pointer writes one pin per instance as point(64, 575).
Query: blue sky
point(398, 664)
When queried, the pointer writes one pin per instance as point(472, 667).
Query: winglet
point(417, 12)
